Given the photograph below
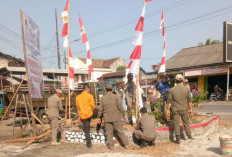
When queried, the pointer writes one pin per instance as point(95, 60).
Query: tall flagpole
point(69, 97)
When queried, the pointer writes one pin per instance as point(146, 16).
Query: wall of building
point(3, 62)
point(119, 62)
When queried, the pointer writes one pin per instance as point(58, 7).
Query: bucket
point(226, 146)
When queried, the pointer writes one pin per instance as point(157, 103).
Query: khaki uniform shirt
point(130, 92)
point(180, 95)
point(111, 108)
point(54, 106)
point(146, 124)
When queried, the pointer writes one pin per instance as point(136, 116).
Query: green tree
point(209, 41)
point(121, 68)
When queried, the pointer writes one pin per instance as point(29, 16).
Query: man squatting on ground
point(163, 87)
point(111, 109)
point(54, 106)
point(86, 110)
point(179, 98)
point(130, 93)
point(145, 130)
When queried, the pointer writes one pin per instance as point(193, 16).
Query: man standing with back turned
point(54, 106)
point(111, 108)
point(86, 110)
point(180, 96)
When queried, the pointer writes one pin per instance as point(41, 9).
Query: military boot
point(190, 137)
point(177, 139)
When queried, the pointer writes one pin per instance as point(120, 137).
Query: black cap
point(130, 75)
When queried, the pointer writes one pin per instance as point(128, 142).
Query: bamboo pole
point(137, 96)
point(12, 99)
point(28, 82)
point(69, 95)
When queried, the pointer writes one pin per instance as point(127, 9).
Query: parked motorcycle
point(214, 97)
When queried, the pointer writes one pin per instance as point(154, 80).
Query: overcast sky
point(110, 26)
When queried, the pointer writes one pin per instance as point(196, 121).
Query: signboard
point(227, 42)
point(31, 45)
point(206, 71)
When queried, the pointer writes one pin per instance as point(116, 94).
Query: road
point(222, 108)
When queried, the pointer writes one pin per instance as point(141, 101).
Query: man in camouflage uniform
point(54, 106)
point(182, 103)
point(130, 92)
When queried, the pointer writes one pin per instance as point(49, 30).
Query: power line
point(153, 13)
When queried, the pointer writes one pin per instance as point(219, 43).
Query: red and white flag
point(71, 70)
point(163, 61)
point(85, 40)
point(65, 18)
point(136, 54)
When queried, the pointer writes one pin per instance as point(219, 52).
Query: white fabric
point(65, 44)
point(135, 66)
point(88, 62)
point(71, 62)
point(139, 39)
point(87, 46)
point(162, 69)
point(71, 83)
point(144, 9)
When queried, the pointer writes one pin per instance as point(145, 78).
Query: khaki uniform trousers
point(185, 119)
point(130, 110)
point(139, 135)
point(118, 126)
point(55, 126)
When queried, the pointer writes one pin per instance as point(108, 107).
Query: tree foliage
point(209, 41)
point(121, 68)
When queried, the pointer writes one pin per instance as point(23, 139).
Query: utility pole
point(57, 39)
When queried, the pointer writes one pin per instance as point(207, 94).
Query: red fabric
point(71, 72)
point(164, 45)
point(65, 30)
point(90, 69)
point(66, 6)
point(163, 31)
point(84, 38)
point(162, 61)
point(139, 26)
point(129, 65)
point(80, 22)
point(148, 0)
point(70, 53)
point(136, 54)
point(88, 55)
point(162, 17)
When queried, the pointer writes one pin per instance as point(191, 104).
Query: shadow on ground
point(215, 150)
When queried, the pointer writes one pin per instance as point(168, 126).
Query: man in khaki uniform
point(180, 96)
point(130, 96)
point(111, 109)
point(54, 106)
point(145, 130)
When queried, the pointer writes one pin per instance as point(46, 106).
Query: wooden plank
point(28, 138)
point(38, 137)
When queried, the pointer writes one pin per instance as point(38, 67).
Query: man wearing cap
point(182, 103)
point(112, 111)
point(145, 131)
point(53, 109)
point(130, 93)
point(87, 110)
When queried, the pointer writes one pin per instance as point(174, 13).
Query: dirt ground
point(208, 146)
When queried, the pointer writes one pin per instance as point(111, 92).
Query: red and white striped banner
point(85, 40)
point(71, 71)
point(163, 61)
point(65, 18)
